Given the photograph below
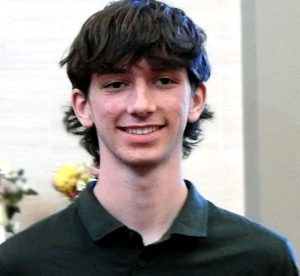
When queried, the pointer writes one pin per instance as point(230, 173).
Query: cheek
point(109, 109)
point(106, 108)
point(179, 105)
point(178, 109)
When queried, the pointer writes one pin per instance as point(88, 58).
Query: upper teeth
point(140, 131)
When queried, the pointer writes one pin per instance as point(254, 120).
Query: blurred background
point(249, 161)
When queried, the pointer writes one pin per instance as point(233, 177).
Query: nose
point(141, 100)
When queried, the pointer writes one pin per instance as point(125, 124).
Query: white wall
point(33, 37)
point(271, 57)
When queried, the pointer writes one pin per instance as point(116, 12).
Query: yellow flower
point(65, 178)
point(70, 179)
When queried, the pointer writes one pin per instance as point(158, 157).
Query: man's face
point(140, 115)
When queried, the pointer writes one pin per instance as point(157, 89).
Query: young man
point(137, 69)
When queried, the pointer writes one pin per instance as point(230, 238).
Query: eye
point(165, 81)
point(115, 85)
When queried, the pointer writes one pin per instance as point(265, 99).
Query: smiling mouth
point(141, 130)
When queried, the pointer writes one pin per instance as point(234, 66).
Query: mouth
point(140, 130)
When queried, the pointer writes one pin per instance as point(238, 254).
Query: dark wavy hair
point(123, 33)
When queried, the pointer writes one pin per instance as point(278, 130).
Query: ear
point(197, 104)
point(81, 108)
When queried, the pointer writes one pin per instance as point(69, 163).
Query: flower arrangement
point(13, 188)
point(70, 179)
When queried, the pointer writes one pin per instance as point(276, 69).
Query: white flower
point(80, 185)
point(3, 215)
point(4, 168)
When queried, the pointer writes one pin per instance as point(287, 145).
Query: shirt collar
point(93, 215)
point(191, 220)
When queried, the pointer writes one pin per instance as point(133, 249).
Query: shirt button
point(142, 263)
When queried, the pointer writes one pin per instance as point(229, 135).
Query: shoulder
point(248, 238)
point(40, 236)
point(234, 225)
point(223, 223)
point(57, 245)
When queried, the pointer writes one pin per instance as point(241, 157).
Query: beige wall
point(271, 65)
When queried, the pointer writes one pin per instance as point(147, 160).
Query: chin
point(139, 163)
point(146, 160)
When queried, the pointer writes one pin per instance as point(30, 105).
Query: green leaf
point(13, 198)
point(9, 228)
point(11, 210)
point(30, 192)
point(20, 172)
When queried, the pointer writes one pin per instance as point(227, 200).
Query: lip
point(141, 133)
point(140, 130)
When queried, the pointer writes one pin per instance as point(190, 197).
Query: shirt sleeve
point(3, 272)
point(287, 264)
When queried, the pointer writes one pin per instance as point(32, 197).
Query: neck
point(148, 200)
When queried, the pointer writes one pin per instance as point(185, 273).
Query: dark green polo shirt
point(84, 239)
